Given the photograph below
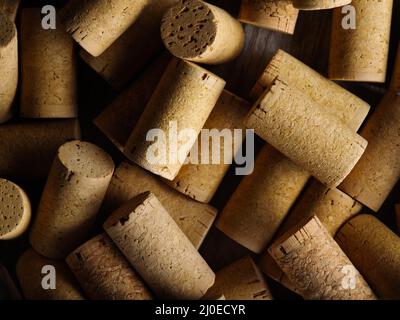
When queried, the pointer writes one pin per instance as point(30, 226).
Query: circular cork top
point(7, 30)
point(85, 159)
point(188, 29)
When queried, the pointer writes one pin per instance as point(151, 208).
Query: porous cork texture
point(302, 130)
point(260, 203)
point(315, 264)
point(15, 210)
point(30, 277)
point(361, 54)
point(185, 96)
point(8, 66)
point(104, 273)
point(200, 32)
point(157, 248)
point(48, 73)
point(8, 290)
point(319, 4)
point(194, 218)
point(241, 280)
point(10, 8)
point(375, 251)
point(74, 191)
point(270, 14)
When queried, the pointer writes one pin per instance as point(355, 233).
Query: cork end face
point(7, 30)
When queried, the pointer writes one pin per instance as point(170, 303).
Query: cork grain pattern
point(319, 4)
point(10, 8)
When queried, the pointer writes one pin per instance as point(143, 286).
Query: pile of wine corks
point(127, 221)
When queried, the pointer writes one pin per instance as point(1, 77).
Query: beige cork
point(200, 32)
point(182, 101)
point(8, 66)
point(10, 8)
point(241, 280)
point(32, 275)
point(319, 4)
point(15, 210)
point(315, 264)
point(194, 218)
point(104, 273)
point(258, 206)
point(375, 251)
point(74, 191)
point(8, 290)
point(303, 131)
point(361, 54)
point(278, 15)
point(161, 253)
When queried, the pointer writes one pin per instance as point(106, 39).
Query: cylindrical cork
point(158, 249)
point(104, 273)
point(194, 218)
point(15, 210)
point(361, 53)
point(198, 31)
point(10, 8)
point(262, 200)
point(182, 102)
point(74, 191)
point(375, 251)
point(36, 281)
point(316, 265)
point(303, 131)
point(8, 66)
point(319, 4)
point(271, 14)
point(49, 76)
point(8, 290)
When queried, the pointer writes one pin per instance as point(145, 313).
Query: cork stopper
point(9, 8)
point(319, 4)
point(8, 290)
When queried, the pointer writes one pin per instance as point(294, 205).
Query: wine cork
point(182, 101)
point(10, 8)
point(378, 170)
point(319, 4)
point(361, 54)
point(104, 273)
point(278, 15)
point(15, 210)
point(340, 102)
point(242, 280)
point(303, 131)
point(27, 149)
point(158, 249)
point(194, 218)
point(258, 206)
point(8, 66)
point(375, 251)
point(35, 275)
point(201, 32)
point(316, 265)
point(8, 290)
point(74, 191)
point(49, 75)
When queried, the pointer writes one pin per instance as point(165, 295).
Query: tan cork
point(319, 4)
point(10, 8)
point(270, 14)
point(201, 32)
point(315, 264)
point(74, 191)
point(361, 54)
point(157, 248)
point(30, 277)
point(8, 290)
point(104, 273)
point(185, 96)
point(49, 75)
point(194, 218)
point(375, 251)
point(15, 210)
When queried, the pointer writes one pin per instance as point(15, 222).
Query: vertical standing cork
point(15, 210)
point(10, 8)
point(49, 77)
point(30, 277)
point(316, 265)
point(75, 188)
point(8, 66)
point(319, 4)
point(271, 14)
point(375, 251)
point(158, 249)
point(302, 130)
point(8, 290)
point(194, 218)
point(361, 54)
point(104, 273)
point(184, 98)
point(198, 31)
